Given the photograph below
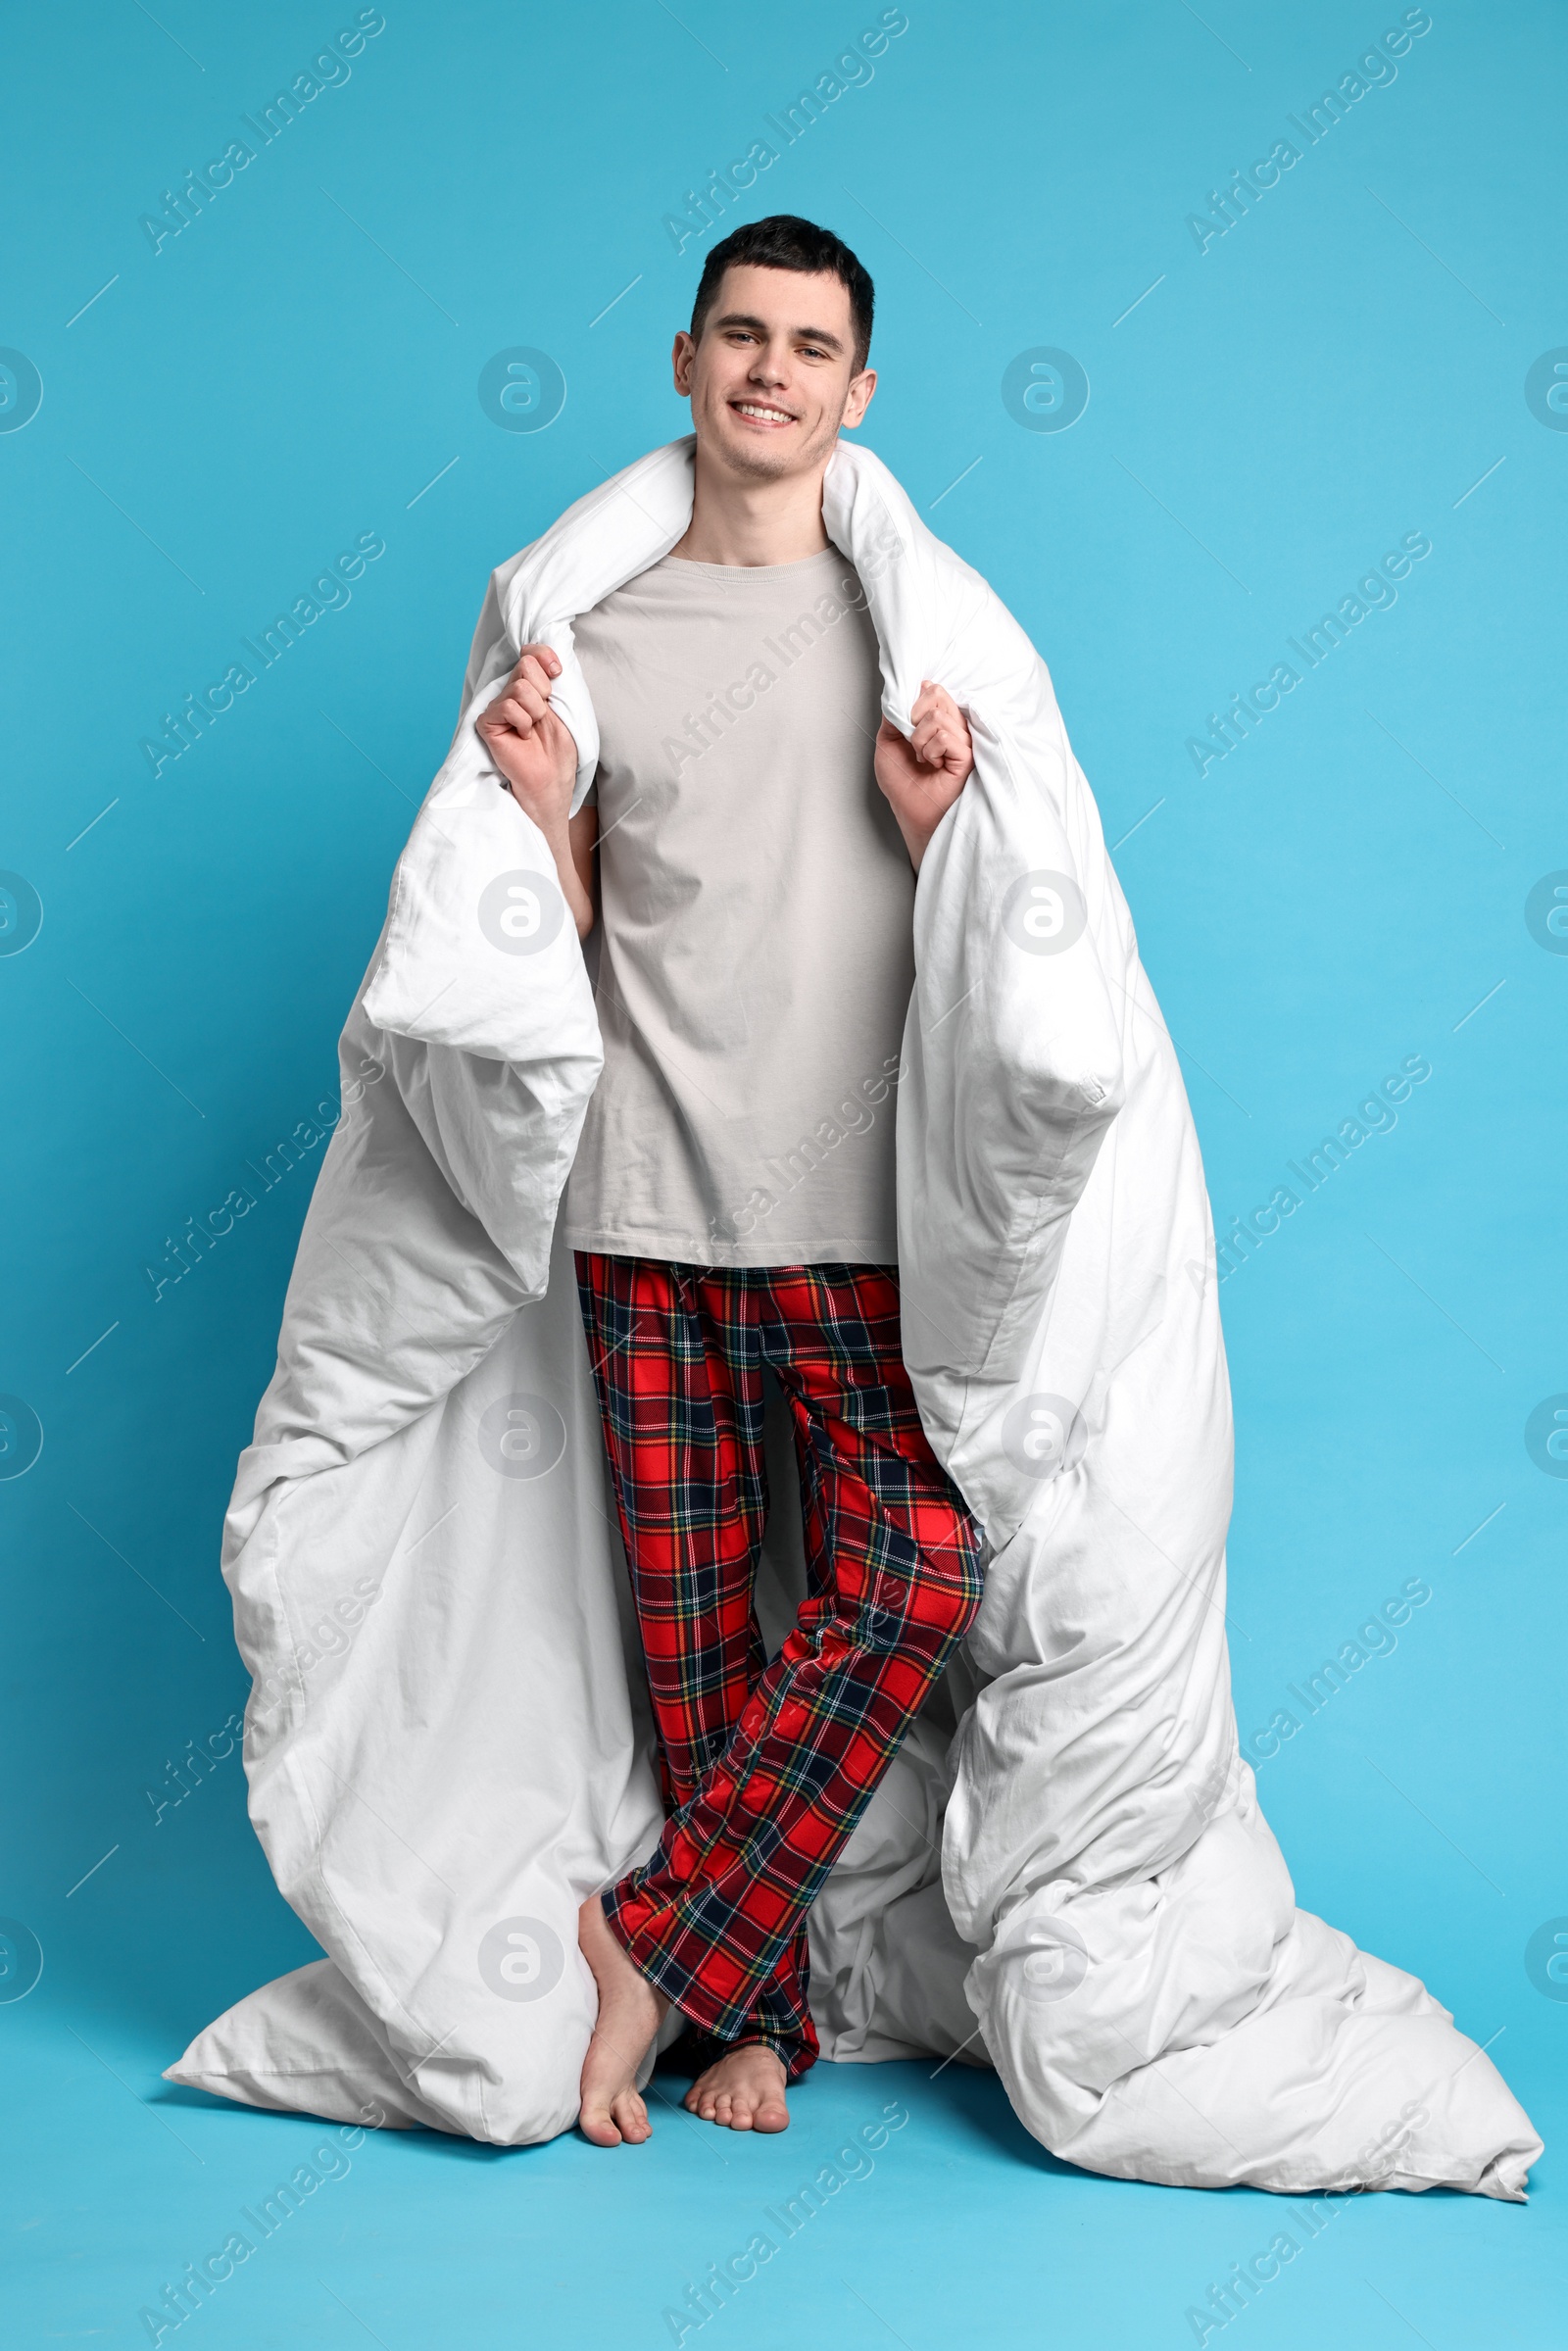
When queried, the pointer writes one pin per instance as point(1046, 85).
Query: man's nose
point(767, 367)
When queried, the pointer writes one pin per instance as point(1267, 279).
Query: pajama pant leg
point(715, 1918)
point(679, 1374)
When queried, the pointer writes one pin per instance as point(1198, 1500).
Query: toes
point(630, 2116)
point(737, 2105)
point(596, 2127)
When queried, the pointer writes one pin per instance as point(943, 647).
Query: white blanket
point(447, 1744)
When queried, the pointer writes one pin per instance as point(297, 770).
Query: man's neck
point(748, 522)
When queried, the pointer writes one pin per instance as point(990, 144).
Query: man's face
point(773, 377)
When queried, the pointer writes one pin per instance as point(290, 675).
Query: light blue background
point(1341, 892)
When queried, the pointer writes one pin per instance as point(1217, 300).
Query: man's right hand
point(532, 748)
point(537, 753)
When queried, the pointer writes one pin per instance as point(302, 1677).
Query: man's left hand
point(922, 773)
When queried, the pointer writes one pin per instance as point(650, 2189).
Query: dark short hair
point(783, 241)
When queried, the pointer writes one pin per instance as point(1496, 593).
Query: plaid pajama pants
point(767, 1768)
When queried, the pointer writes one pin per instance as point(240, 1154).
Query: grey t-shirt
point(757, 915)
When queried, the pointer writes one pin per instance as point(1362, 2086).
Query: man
point(749, 860)
point(1112, 1910)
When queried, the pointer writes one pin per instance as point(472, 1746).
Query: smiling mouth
point(762, 412)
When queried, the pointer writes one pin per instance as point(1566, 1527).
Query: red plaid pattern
point(767, 1768)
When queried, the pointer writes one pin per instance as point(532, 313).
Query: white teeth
point(770, 415)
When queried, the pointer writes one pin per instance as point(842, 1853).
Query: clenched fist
point(532, 748)
point(922, 773)
point(537, 753)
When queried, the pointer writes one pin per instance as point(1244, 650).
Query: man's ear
point(681, 360)
point(859, 401)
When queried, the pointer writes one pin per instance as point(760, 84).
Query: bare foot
point(630, 2012)
point(745, 2090)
